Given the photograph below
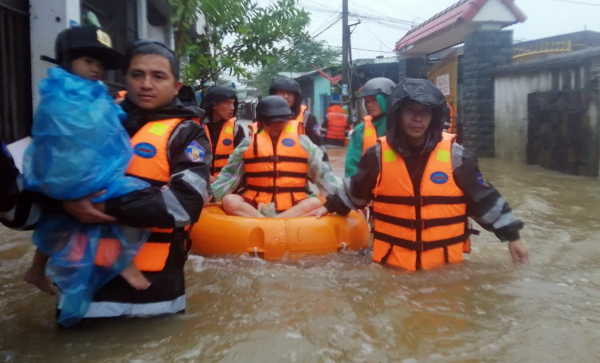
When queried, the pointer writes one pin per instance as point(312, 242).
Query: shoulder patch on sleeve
point(195, 152)
point(482, 181)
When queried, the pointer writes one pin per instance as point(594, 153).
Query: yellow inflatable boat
point(274, 238)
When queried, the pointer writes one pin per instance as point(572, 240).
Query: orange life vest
point(450, 127)
point(224, 146)
point(253, 127)
point(150, 163)
point(336, 123)
point(426, 230)
point(277, 174)
point(121, 94)
point(369, 134)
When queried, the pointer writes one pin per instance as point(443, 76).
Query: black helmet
point(290, 85)
point(82, 41)
point(424, 92)
point(217, 94)
point(380, 85)
point(273, 109)
point(187, 96)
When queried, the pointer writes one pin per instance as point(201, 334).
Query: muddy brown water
point(343, 308)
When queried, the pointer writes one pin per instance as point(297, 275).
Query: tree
point(303, 53)
point(241, 35)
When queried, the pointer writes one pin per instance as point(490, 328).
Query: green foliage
point(241, 35)
point(303, 53)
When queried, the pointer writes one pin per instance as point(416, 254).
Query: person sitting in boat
point(423, 186)
point(276, 164)
point(220, 104)
point(290, 90)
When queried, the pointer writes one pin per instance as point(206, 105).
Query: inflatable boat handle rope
point(343, 248)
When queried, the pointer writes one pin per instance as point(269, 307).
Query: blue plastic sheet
point(79, 147)
point(73, 248)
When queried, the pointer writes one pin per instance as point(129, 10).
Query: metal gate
point(15, 70)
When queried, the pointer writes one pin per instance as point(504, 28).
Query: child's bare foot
point(40, 281)
point(135, 278)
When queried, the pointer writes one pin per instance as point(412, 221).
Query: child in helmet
point(276, 163)
point(80, 148)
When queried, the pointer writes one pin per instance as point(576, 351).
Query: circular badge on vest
point(144, 150)
point(439, 177)
point(227, 142)
point(288, 142)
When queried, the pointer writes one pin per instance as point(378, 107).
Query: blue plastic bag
point(76, 266)
point(79, 147)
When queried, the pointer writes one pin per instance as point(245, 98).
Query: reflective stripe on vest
point(224, 146)
point(336, 123)
point(369, 134)
point(150, 163)
point(278, 175)
point(424, 231)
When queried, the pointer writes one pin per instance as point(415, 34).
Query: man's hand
point(212, 179)
point(85, 211)
point(518, 251)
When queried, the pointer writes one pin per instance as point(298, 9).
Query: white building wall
point(47, 19)
point(511, 112)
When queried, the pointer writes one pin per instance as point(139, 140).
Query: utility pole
point(345, 47)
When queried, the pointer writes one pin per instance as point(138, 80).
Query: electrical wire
point(327, 20)
point(330, 25)
point(376, 38)
point(366, 50)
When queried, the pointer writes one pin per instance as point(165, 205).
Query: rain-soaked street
point(343, 308)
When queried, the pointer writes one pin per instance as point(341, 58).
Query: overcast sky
point(386, 21)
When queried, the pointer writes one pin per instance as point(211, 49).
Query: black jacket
point(484, 203)
point(17, 208)
point(189, 182)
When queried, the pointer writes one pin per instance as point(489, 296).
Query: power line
point(366, 50)
point(370, 31)
point(373, 18)
point(330, 25)
point(326, 21)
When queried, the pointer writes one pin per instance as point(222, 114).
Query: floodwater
point(343, 308)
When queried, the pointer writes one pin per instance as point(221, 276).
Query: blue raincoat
point(79, 147)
